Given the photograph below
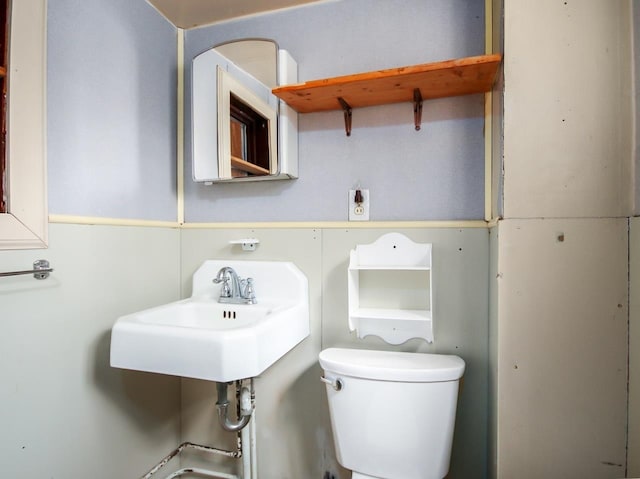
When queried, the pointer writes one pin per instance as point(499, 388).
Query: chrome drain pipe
point(223, 405)
point(245, 438)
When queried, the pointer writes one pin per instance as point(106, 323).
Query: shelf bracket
point(417, 108)
point(347, 115)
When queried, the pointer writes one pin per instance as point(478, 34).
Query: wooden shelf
point(248, 167)
point(462, 76)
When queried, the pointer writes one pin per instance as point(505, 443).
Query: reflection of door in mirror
point(238, 143)
point(247, 127)
point(249, 140)
point(4, 37)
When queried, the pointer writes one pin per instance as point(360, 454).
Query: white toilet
point(392, 413)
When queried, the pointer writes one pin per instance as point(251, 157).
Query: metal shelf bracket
point(417, 108)
point(347, 115)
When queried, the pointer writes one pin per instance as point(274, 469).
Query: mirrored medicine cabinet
point(240, 130)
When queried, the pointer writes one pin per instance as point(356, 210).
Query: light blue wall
point(112, 114)
point(111, 110)
point(436, 173)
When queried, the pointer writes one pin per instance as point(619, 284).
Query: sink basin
point(204, 339)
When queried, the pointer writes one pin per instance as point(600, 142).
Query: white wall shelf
point(390, 293)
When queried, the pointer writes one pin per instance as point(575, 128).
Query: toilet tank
point(393, 414)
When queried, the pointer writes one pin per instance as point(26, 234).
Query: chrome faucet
point(235, 290)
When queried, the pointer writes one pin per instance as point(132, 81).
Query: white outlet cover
point(365, 206)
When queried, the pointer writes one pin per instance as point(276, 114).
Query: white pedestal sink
point(204, 339)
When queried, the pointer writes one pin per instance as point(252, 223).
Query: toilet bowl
point(392, 413)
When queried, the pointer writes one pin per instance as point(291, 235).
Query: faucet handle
point(249, 291)
point(225, 278)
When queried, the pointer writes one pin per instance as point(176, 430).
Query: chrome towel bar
point(41, 270)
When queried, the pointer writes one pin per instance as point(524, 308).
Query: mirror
point(240, 130)
point(256, 57)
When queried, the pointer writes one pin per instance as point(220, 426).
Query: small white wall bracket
point(248, 244)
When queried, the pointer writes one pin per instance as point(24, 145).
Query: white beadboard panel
point(434, 174)
point(633, 454)
point(294, 432)
point(65, 412)
point(460, 318)
point(111, 110)
point(562, 348)
point(568, 109)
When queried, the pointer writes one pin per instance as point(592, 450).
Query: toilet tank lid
point(392, 365)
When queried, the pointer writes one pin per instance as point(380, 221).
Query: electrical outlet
point(358, 211)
